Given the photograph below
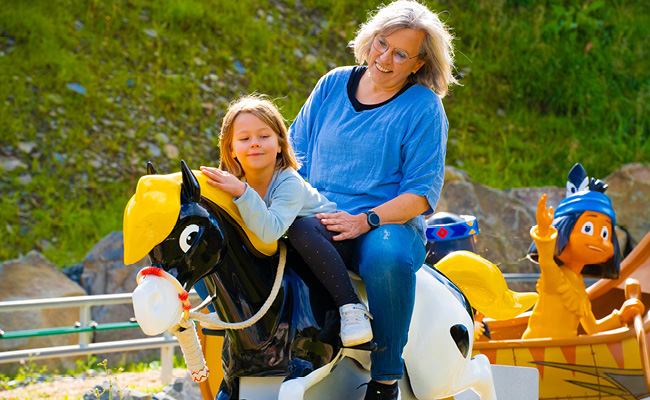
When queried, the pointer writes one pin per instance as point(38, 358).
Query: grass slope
point(92, 89)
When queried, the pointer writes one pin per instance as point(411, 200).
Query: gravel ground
point(72, 388)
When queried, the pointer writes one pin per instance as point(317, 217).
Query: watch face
point(373, 219)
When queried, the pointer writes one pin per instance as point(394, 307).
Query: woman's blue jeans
point(387, 259)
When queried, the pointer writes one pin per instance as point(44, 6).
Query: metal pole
point(85, 338)
point(166, 360)
point(92, 348)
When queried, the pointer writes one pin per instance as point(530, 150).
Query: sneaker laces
point(356, 315)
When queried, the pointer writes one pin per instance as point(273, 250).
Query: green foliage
point(545, 84)
point(28, 373)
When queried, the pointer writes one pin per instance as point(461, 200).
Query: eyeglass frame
point(396, 57)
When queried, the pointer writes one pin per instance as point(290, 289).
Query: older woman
point(373, 140)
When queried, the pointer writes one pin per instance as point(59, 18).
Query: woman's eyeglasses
point(399, 56)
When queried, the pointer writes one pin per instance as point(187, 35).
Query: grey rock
point(25, 179)
point(104, 272)
point(77, 88)
point(205, 87)
point(239, 67)
point(183, 388)
point(163, 396)
point(171, 151)
point(629, 190)
point(154, 151)
point(138, 395)
point(503, 220)
point(26, 147)
point(162, 137)
point(530, 196)
point(111, 391)
point(310, 59)
point(9, 164)
point(34, 277)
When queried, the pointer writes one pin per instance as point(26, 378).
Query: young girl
point(258, 168)
point(577, 239)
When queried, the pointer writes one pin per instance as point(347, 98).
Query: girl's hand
point(224, 180)
point(348, 226)
point(544, 217)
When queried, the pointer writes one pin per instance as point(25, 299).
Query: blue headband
point(454, 230)
point(586, 201)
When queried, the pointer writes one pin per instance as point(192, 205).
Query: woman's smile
point(382, 69)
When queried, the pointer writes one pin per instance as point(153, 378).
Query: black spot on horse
point(460, 334)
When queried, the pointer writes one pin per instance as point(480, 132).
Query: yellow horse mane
point(152, 212)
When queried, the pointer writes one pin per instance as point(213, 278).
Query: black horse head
point(190, 242)
point(194, 232)
point(196, 244)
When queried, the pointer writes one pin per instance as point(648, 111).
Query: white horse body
point(436, 367)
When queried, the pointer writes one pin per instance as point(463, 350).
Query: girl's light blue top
point(287, 197)
point(361, 159)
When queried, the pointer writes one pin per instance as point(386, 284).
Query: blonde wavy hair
point(269, 114)
point(436, 51)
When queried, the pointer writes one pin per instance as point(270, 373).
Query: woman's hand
point(544, 217)
point(348, 226)
point(224, 180)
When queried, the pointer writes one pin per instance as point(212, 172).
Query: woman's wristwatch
point(373, 219)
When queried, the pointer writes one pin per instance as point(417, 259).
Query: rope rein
point(212, 320)
point(185, 330)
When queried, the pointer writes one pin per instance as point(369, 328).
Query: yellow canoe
point(608, 365)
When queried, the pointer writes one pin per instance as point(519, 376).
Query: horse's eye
point(187, 237)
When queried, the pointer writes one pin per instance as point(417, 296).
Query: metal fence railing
point(85, 327)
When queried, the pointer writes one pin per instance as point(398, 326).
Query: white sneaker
point(355, 324)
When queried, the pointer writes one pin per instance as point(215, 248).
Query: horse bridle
point(212, 320)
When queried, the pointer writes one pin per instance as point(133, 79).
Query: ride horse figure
point(193, 231)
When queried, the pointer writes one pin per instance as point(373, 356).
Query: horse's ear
point(190, 188)
point(150, 169)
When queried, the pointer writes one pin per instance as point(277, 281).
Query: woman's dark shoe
point(379, 391)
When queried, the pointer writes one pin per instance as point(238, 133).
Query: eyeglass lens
point(381, 45)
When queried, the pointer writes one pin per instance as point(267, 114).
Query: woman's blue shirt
point(361, 159)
